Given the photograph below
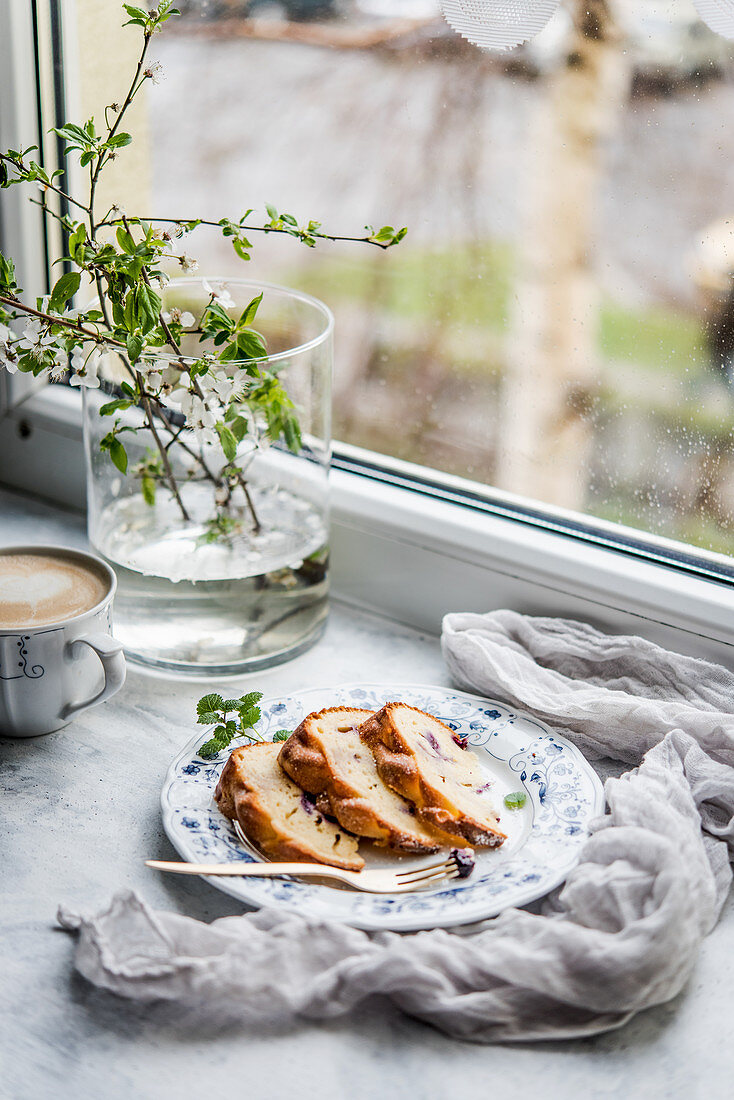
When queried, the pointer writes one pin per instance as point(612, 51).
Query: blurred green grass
point(449, 309)
point(470, 288)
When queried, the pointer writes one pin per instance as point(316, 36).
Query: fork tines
point(446, 869)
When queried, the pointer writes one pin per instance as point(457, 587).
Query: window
point(557, 323)
point(551, 342)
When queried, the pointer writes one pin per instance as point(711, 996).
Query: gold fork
point(373, 882)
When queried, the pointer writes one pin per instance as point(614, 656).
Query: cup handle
point(110, 654)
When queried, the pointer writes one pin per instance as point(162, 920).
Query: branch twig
point(14, 303)
point(163, 453)
point(249, 229)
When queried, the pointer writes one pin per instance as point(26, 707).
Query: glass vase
point(217, 573)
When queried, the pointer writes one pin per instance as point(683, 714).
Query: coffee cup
point(57, 653)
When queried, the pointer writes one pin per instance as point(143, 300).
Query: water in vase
point(224, 606)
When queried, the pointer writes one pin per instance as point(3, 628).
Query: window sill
point(413, 557)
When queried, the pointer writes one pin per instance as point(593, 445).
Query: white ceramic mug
point(49, 674)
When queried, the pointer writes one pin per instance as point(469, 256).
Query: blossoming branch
point(216, 407)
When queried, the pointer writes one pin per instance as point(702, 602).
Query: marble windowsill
point(81, 812)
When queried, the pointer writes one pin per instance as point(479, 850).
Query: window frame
point(408, 542)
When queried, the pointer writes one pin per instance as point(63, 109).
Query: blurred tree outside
point(552, 362)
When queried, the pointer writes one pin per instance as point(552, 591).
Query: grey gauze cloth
point(621, 935)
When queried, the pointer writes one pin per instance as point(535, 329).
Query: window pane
point(559, 322)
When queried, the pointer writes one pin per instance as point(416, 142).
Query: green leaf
point(65, 288)
point(249, 313)
point(73, 134)
point(7, 275)
point(516, 800)
point(209, 702)
point(219, 741)
point(209, 717)
point(386, 236)
point(149, 307)
point(125, 240)
point(118, 454)
point(215, 319)
point(138, 17)
point(76, 242)
point(134, 345)
point(251, 345)
point(228, 441)
point(238, 427)
point(113, 406)
point(250, 717)
point(281, 735)
point(292, 435)
point(231, 704)
point(118, 141)
point(272, 212)
point(249, 700)
point(147, 488)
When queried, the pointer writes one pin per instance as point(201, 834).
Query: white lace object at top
point(498, 24)
point(504, 24)
point(718, 14)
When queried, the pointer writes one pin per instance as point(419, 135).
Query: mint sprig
point(213, 710)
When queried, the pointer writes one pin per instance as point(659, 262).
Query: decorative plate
point(544, 837)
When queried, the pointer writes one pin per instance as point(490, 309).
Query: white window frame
point(407, 543)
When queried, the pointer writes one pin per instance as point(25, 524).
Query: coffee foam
point(38, 589)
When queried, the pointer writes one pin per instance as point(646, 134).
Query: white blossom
point(225, 388)
point(202, 421)
point(206, 433)
point(182, 390)
point(36, 338)
point(198, 416)
point(170, 378)
point(8, 355)
point(187, 262)
point(154, 72)
point(179, 317)
point(85, 364)
point(60, 365)
point(183, 397)
point(151, 366)
point(219, 293)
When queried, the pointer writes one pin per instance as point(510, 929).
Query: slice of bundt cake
point(422, 759)
point(326, 756)
point(276, 815)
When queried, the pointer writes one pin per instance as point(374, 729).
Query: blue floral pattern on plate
point(516, 752)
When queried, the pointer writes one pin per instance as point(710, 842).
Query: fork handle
point(250, 870)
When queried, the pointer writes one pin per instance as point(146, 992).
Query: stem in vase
point(164, 455)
